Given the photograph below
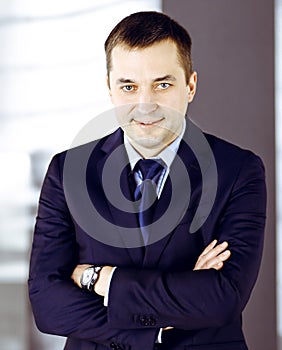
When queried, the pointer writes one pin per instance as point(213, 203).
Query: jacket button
point(143, 320)
point(152, 321)
point(115, 346)
point(147, 320)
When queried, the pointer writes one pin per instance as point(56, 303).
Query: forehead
point(161, 58)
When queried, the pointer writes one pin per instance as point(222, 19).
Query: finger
point(204, 258)
point(206, 251)
point(215, 251)
point(225, 255)
point(214, 257)
point(77, 272)
point(218, 261)
point(209, 247)
point(218, 266)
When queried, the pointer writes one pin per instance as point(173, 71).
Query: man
point(149, 276)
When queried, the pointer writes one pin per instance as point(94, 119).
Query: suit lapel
point(114, 152)
point(181, 191)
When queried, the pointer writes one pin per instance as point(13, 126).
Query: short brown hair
point(143, 29)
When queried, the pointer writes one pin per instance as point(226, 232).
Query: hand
point(213, 256)
point(77, 273)
point(101, 284)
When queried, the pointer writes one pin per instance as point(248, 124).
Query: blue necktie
point(146, 192)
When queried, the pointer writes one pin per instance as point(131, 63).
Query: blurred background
point(52, 82)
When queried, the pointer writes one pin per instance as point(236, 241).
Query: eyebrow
point(124, 81)
point(167, 77)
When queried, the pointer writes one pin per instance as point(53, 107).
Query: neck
point(147, 152)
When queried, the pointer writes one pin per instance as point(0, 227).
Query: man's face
point(151, 86)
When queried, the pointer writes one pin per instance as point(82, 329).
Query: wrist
point(100, 286)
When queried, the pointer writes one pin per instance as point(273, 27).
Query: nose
point(146, 108)
point(146, 102)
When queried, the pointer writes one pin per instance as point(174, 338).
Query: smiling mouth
point(148, 123)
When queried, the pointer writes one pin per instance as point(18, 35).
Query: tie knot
point(150, 168)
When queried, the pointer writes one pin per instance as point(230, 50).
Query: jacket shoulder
point(102, 144)
point(227, 152)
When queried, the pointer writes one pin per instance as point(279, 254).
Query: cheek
point(123, 113)
point(178, 98)
point(183, 103)
point(178, 103)
point(119, 99)
point(114, 98)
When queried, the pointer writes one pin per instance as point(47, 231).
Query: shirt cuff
point(159, 339)
point(106, 297)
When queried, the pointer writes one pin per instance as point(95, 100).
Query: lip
point(148, 123)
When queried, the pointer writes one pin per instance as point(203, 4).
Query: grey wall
point(233, 52)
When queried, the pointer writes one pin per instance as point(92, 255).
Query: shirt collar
point(167, 155)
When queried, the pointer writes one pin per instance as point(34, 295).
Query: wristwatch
point(89, 277)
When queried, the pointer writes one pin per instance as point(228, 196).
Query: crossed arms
point(213, 256)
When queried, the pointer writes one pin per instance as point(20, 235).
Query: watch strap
point(94, 278)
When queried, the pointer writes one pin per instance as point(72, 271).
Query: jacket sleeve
point(203, 298)
point(58, 305)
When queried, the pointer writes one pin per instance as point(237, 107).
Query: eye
point(128, 88)
point(163, 86)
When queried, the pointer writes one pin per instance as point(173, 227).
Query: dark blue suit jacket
point(154, 288)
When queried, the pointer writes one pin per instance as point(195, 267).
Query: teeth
point(147, 122)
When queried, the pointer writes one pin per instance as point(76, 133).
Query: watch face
point(87, 275)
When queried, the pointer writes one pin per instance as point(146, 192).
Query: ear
point(192, 86)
